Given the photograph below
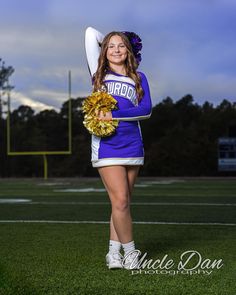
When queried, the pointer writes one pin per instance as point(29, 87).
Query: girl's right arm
point(93, 39)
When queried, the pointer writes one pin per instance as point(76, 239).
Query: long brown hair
point(130, 65)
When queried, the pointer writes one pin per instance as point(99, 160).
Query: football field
point(54, 237)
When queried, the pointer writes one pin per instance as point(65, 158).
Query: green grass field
point(54, 237)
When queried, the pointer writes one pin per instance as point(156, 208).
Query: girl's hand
point(104, 117)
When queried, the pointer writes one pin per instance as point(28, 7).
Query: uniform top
point(121, 87)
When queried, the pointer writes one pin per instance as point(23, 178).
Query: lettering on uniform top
point(123, 90)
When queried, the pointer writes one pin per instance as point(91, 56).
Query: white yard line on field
point(30, 202)
point(107, 222)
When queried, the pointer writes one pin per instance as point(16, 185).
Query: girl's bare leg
point(119, 182)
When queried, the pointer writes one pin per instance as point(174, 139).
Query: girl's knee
point(120, 204)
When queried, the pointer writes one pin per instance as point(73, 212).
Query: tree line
point(180, 139)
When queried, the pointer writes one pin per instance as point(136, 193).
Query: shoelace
point(117, 256)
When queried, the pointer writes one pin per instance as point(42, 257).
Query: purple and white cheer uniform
point(125, 146)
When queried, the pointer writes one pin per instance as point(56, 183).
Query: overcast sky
point(189, 46)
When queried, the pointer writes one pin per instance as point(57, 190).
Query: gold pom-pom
point(99, 101)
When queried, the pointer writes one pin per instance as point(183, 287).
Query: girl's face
point(116, 51)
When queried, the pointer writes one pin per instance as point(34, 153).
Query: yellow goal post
point(41, 153)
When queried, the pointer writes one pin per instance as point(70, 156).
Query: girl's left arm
point(140, 112)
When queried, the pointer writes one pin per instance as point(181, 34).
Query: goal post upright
point(41, 153)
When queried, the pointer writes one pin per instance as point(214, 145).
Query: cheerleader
point(113, 61)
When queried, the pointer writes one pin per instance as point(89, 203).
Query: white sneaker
point(130, 261)
point(114, 260)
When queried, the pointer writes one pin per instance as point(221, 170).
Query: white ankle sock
point(128, 247)
point(114, 246)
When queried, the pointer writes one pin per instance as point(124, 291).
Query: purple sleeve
point(140, 112)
